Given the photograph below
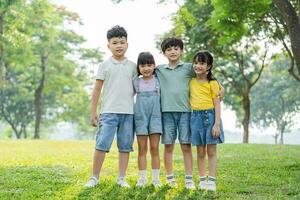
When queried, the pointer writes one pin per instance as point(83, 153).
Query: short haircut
point(171, 42)
point(116, 31)
point(144, 58)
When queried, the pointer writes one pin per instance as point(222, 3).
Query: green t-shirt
point(174, 83)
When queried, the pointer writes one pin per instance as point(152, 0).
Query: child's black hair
point(205, 57)
point(171, 42)
point(144, 58)
point(116, 31)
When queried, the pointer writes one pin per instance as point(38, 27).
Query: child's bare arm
point(94, 102)
point(216, 127)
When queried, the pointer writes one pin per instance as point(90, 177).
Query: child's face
point(200, 68)
point(147, 70)
point(173, 53)
point(118, 46)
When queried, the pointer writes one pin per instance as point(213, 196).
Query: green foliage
point(58, 170)
point(6, 133)
point(276, 97)
point(36, 37)
point(236, 19)
point(16, 102)
point(236, 66)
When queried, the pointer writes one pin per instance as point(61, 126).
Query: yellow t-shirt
point(202, 94)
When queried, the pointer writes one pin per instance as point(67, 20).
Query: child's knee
point(186, 148)
point(154, 150)
point(143, 150)
point(169, 148)
point(211, 152)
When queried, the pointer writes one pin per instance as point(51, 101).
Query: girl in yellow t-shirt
point(206, 126)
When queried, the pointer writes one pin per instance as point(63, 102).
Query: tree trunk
point(276, 138)
point(292, 22)
point(282, 129)
point(246, 119)
point(38, 100)
point(24, 132)
point(281, 138)
point(18, 133)
point(2, 66)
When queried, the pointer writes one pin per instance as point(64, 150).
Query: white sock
point(202, 178)
point(211, 179)
point(121, 177)
point(170, 177)
point(143, 174)
point(155, 174)
point(188, 178)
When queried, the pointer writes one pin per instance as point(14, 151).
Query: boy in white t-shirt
point(114, 79)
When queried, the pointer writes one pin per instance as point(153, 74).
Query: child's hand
point(216, 131)
point(94, 119)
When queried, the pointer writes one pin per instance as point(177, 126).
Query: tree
point(240, 75)
point(16, 106)
point(276, 98)
point(239, 64)
point(52, 42)
point(8, 10)
point(16, 102)
point(52, 63)
point(280, 18)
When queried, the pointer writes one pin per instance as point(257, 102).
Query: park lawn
point(58, 170)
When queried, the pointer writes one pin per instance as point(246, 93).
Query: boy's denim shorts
point(202, 122)
point(173, 123)
point(111, 123)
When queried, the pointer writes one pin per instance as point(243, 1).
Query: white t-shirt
point(117, 91)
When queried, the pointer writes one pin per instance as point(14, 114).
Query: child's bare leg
point(188, 158)
point(212, 159)
point(99, 157)
point(123, 163)
point(154, 150)
point(155, 161)
point(142, 152)
point(201, 152)
point(168, 158)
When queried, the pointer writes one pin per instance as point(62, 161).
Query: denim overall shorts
point(147, 110)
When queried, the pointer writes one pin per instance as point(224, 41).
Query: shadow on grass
point(34, 182)
point(108, 189)
point(195, 194)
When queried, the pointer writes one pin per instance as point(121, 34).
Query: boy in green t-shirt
point(174, 79)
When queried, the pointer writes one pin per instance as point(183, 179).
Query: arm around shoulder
point(221, 90)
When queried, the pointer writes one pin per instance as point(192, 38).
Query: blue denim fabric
point(174, 122)
point(111, 123)
point(202, 122)
point(147, 113)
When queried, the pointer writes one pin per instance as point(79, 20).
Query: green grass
point(58, 170)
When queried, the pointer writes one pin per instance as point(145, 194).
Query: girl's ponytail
point(210, 76)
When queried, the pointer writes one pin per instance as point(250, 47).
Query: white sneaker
point(172, 183)
point(202, 185)
point(123, 183)
point(141, 182)
point(92, 182)
point(156, 183)
point(190, 185)
point(211, 186)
